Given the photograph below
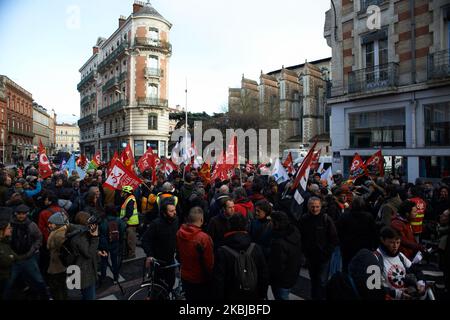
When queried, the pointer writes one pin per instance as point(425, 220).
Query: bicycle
point(154, 288)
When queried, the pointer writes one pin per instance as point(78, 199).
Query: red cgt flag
point(205, 173)
point(120, 176)
point(375, 165)
point(289, 164)
point(358, 169)
point(127, 157)
point(45, 169)
point(148, 161)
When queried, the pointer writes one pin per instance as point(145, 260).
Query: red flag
point(120, 176)
point(303, 167)
point(315, 160)
point(148, 160)
point(249, 167)
point(45, 170)
point(112, 162)
point(357, 169)
point(231, 157)
point(169, 166)
point(205, 173)
point(375, 165)
point(127, 157)
point(289, 164)
point(82, 161)
point(96, 161)
point(221, 169)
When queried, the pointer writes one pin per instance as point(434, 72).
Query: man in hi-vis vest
point(129, 214)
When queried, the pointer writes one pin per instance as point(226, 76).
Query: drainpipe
point(412, 4)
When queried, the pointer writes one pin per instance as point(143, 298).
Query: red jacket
point(408, 246)
point(189, 237)
point(244, 206)
point(43, 219)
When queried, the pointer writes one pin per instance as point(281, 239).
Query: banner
point(120, 176)
point(357, 169)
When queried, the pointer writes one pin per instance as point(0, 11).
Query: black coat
point(356, 231)
point(285, 258)
point(224, 269)
point(319, 237)
point(217, 227)
point(159, 241)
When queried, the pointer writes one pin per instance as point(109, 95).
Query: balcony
point(153, 73)
point(117, 53)
point(21, 132)
point(111, 83)
point(113, 108)
point(85, 100)
point(86, 120)
point(123, 76)
point(377, 78)
point(153, 102)
point(160, 45)
point(439, 65)
point(86, 80)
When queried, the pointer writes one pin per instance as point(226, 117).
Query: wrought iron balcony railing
point(154, 44)
point(381, 77)
point(113, 82)
point(153, 102)
point(439, 65)
point(153, 73)
point(86, 120)
point(113, 108)
point(117, 53)
point(86, 80)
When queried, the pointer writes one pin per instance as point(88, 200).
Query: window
point(434, 167)
point(153, 62)
point(152, 122)
point(377, 129)
point(153, 34)
point(162, 152)
point(123, 124)
point(376, 59)
point(110, 127)
point(367, 3)
point(437, 124)
point(104, 128)
point(152, 91)
point(117, 126)
point(139, 148)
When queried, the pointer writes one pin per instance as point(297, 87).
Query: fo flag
point(375, 165)
point(127, 157)
point(45, 170)
point(120, 176)
point(358, 169)
point(289, 164)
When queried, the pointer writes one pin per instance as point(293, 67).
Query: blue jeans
point(280, 293)
point(29, 269)
point(88, 293)
point(318, 272)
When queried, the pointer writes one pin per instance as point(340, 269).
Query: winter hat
point(22, 208)
point(57, 218)
point(5, 216)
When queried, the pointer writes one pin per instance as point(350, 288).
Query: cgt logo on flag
point(115, 177)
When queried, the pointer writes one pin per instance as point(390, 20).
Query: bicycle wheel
point(149, 292)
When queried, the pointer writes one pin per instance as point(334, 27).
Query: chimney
point(137, 6)
point(94, 50)
point(122, 20)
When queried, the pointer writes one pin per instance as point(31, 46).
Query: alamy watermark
point(374, 17)
point(256, 150)
point(73, 280)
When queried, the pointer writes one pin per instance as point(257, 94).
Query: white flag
point(328, 176)
point(279, 173)
point(298, 197)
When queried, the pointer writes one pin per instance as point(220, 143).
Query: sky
point(43, 44)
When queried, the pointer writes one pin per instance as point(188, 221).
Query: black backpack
point(113, 231)
point(21, 240)
point(67, 253)
point(246, 272)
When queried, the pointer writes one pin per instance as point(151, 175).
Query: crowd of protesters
point(206, 225)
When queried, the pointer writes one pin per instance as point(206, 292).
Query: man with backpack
point(240, 270)
point(25, 241)
point(111, 232)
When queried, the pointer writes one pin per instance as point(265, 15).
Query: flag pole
point(186, 127)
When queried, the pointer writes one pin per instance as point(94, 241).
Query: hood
point(244, 202)
point(188, 231)
point(395, 202)
point(238, 240)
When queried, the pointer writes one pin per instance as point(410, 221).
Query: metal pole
point(186, 130)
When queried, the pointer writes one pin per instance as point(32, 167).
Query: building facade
point(67, 137)
point(41, 127)
point(391, 84)
point(294, 98)
point(124, 87)
point(18, 132)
